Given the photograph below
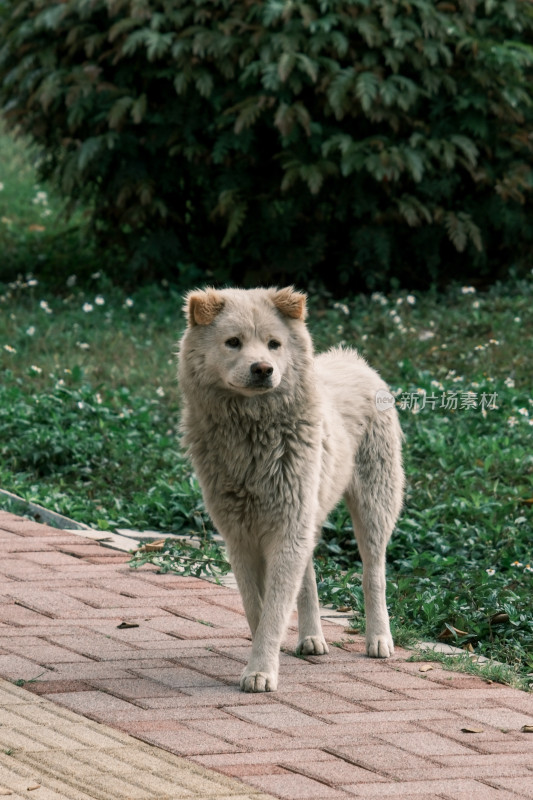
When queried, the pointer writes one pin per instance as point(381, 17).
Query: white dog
point(277, 437)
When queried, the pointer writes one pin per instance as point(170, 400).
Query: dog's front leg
point(285, 569)
point(248, 568)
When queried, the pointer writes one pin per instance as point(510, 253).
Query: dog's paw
point(312, 646)
point(379, 646)
point(259, 682)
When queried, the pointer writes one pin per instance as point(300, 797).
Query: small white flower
point(35, 369)
point(411, 299)
point(476, 304)
point(364, 337)
point(423, 336)
point(40, 199)
point(479, 347)
point(399, 301)
point(524, 412)
point(340, 329)
point(96, 275)
point(82, 345)
point(160, 391)
point(512, 421)
point(509, 382)
point(99, 300)
point(494, 341)
point(342, 307)
point(128, 302)
point(518, 319)
point(9, 349)
point(98, 398)
point(30, 331)
point(87, 307)
point(71, 281)
point(45, 307)
point(31, 282)
point(490, 571)
point(468, 290)
point(81, 405)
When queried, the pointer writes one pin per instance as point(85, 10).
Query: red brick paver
point(340, 726)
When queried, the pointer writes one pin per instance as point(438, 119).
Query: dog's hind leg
point(311, 639)
point(372, 544)
point(374, 500)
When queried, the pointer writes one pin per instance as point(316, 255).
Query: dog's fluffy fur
point(277, 437)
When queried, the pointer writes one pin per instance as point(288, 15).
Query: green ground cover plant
point(89, 415)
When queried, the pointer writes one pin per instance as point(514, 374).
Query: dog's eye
point(274, 344)
point(233, 343)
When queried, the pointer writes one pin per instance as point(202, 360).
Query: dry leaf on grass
point(496, 619)
point(450, 632)
point(152, 547)
point(425, 668)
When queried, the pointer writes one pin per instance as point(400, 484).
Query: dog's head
point(244, 338)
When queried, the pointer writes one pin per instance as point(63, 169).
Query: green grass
point(35, 234)
point(490, 671)
point(89, 425)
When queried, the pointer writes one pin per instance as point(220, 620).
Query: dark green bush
point(358, 141)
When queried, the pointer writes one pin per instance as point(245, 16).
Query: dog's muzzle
point(261, 374)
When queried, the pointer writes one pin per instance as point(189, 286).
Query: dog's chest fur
point(271, 458)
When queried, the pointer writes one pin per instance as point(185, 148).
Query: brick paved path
point(341, 726)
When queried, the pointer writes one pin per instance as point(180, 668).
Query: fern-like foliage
point(349, 139)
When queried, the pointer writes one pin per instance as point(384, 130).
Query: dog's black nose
point(261, 369)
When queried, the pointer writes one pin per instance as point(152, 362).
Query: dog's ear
point(202, 307)
point(290, 302)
